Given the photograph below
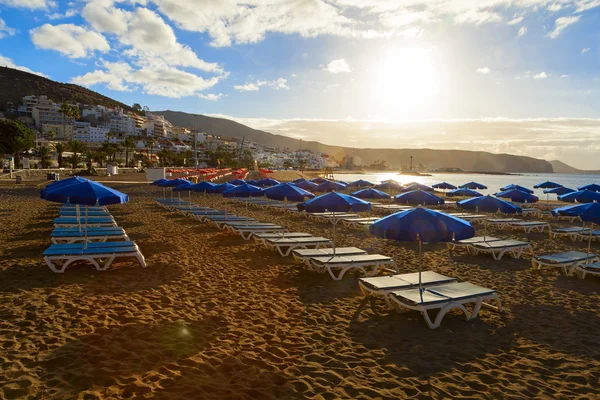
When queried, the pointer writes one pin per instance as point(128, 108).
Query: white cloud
point(68, 14)
point(585, 50)
point(516, 19)
point(211, 96)
point(337, 66)
point(484, 70)
point(5, 30)
point(477, 17)
point(7, 62)
point(564, 76)
point(68, 39)
point(168, 82)
point(522, 31)
point(561, 24)
point(280, 83)
point(29, 4)
point(541, 75)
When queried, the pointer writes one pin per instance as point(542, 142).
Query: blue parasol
point(329, 186)
point(360, 183)
point(518, 196)
point(473, 185)
point(591, 187)
point(463, 192)
point(547, 185)
point(488, 204)
point(371, 193)
point(418, 197)
point(580, 196)
point(444, 186)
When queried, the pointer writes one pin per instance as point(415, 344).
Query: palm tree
point(77, 148)
point(45, 156)
point(15, 145)
point(150, 143)
point(128, 144)
point(59, 148)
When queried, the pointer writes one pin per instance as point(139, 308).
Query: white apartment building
point(32, 101)
point(49, 114)
point(95, 111)
point(122, 124)
point(58, 131)
point(85, 132)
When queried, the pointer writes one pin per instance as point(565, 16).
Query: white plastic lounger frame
point(529, 226)
point(445, 304)
point(304, 255)
point(91, 238)
point(514, 248)
point(460, 244)
point(573, 232)
point(582, 270)
point(100, 260)
point(261, 237)
point(285, 246)
point(247, 232)
point(359, 262)
point(568, 264)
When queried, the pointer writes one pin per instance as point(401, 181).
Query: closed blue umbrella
point(518, 196)
point(267, 182)
point(307, 185)
point(184, 187)
point(473, 185)
point(559, 190)
point(361, 183)
point(488, 204)
point(223, 187)
point(174, 182)
point(418, 197)
point(335, 202)
point(547, 185)
point(237, 182)
point(444, 186)
point(591, 187)
point(158, 181)
point(244, 190)
point(417, 186)
point(512, 186)
point(422, 225)
point(580, 196)
point(463, 192)
point(298, 180)
point(329, 186)
point(318, 180)
point(287, 191)
point(371, 193)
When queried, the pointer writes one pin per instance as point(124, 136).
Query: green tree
point(128, 145)
point(77, 148)
point(137, 107)
point(59, 149)
point(45, 153)
point(15, 138)
point(150, 144)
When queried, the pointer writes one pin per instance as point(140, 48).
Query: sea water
point(493, 182)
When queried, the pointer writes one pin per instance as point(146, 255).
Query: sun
point(404, 81)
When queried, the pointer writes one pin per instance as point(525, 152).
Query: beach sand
point(216, 317)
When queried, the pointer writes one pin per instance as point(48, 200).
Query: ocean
point(493, 182)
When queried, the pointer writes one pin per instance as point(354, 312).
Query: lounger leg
point(141, 259)
point(444, 310)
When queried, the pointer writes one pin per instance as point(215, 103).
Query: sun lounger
point(59, 256)
point(582, 270)
point(328, 217)
point(82, 213)
point(531, 211)
point(474, 218)
point(515, 248)
point(247, 231)
point(203, 215)
point(100, 234)
point(381, 286)
point(459, 244)
point(187, 208)
point(567, 261)
point(261, 237)
point(501, 223)
point(444, 298)
point(391, 208)
point(82, 208)
point(286, 245)
point(344, 264)
point(303, 255)
point(529, 226)
point(359, 222)
point(570, 218)
point(572, 232)
point(71, 222)
point(221, 222)
point(595, 235)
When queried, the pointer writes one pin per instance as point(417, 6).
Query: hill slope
point(15, 84)
point(465, 160)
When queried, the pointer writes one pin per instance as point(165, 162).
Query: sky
point(514, 76)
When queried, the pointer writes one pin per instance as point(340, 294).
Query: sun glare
point(404, 81)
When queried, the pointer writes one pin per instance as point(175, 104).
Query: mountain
point(16, 84)
point(466, 160)
point(562, 168)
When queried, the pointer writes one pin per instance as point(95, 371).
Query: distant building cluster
point(97, 124)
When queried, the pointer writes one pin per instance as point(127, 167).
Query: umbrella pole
point(86, 224)
point(420, 268)
point(78, 217)
point(587, 256)
point(285, 211)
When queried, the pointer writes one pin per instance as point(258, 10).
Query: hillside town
point(74, 134)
